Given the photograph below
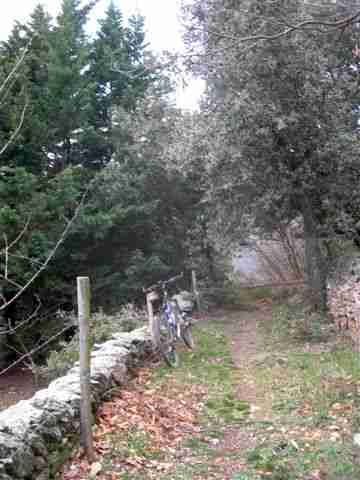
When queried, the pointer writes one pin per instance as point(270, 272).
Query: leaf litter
point(160, 416)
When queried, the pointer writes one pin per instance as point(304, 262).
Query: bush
point(103, 327)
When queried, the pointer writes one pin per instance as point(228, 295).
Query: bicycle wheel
point(186, 335)
point(168, 346)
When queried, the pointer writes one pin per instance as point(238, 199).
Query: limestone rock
point(33, 429)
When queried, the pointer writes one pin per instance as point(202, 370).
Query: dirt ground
point(246, 341)
point(15, 385)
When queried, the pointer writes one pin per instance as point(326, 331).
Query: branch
point(18, 128)
point(11, 330)
point(12, 282)
point(53, 252)
point(34, 350)
point(6, 256)
point(345, 22)
point(23, 257)
point(16, 66)
point(18, 238)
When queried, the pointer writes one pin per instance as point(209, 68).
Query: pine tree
point(108, 51)
point(68, 85)
point(36, 133)
point(119, 78)
point(138, 55)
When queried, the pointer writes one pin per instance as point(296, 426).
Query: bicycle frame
point(173, 320)
point(169, 314)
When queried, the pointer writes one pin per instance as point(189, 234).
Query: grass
point(310, 408)
point(314, 397)
point(238, 296)
point(210, 365)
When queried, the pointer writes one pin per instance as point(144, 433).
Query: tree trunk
point(315, 263)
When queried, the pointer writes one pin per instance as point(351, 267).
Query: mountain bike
point(171, 323)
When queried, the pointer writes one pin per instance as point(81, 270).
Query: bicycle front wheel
point(168, 346)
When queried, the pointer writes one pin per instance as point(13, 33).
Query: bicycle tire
point(185, 327)
point(167, 346)
point(187, 336)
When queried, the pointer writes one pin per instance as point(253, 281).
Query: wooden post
point(195, 290)
point(153, 320)
point(83, 296)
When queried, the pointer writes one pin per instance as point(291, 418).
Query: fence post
point(195, 290)
point(153, 320)
point(83, 298)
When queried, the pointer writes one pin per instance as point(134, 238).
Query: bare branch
point(23, 257)
point(6, 255)
point(8, 90)
point(345, 22)
point(16, 67)
point(12, 330)
point(12, 282)
point(17, 130)
point(53, 252)
point(18, 238)
point(35, 350)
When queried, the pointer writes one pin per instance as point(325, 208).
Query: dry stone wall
point(37, 435)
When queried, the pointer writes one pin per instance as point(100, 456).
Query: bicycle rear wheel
point(167, 345)
point(187, 336)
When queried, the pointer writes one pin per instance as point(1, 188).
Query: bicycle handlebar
point(162, 283)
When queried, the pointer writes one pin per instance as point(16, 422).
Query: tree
point(279, 119)
point(328, 17)
point(87, 105)
point(120, 77)
point(68, 85)
point(31, 82)
point(134, 228)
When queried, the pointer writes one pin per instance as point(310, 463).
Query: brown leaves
point(163, 415)
point(344, 303)
point(165, 420)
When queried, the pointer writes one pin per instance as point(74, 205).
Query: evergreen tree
point(141, 77)
point(29, 87)
point(68, 85)
point(30, 150)
point(108, 51)
point(119, 76)
point(14, 97)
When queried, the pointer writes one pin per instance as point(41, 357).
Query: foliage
point(278, 123)
point(103, 327)
point(97, 130)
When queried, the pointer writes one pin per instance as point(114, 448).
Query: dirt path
point(244, 334)
point(273, 407)
point(247, 347)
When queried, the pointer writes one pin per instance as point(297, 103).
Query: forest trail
point(245, 335)
point(253, 401)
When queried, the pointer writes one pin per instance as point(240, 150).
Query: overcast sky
point(162, 26)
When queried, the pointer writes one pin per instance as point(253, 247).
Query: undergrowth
point(314, 396)
point(102, 328)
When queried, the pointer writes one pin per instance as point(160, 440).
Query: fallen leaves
point(344, 304)
point(161, 417)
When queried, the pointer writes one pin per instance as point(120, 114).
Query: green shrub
point(103, 327)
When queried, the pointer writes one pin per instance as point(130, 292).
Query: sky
point(163, 28)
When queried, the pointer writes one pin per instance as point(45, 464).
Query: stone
point(356, 439)
point(32, 430)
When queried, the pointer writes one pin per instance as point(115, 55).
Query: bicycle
point(172, 323)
